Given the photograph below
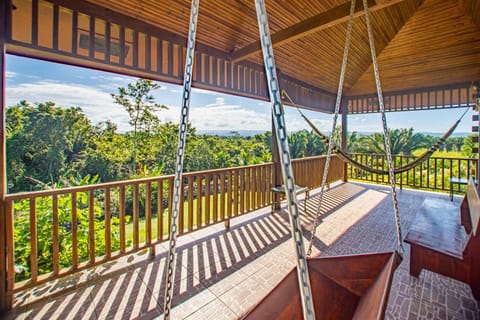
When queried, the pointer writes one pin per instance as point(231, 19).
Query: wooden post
point(5, 297)
point(276, 172)
point(344, 112)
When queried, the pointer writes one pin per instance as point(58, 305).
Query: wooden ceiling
point(419, 43)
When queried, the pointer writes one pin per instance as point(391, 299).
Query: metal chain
point(286, 165)
point(182, 130)
point(385, 129)
point(334, 124)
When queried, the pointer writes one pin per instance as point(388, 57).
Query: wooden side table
point(298, 190)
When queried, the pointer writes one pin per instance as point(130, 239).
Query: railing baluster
point(74, 227)
point(33, 240)
point(108, 225)
point(222, 196)
point(160, 209)
point(55, 243)
point(148, 217)
point(136, 209)
point(215, 197)
point(208, 179)
point(190, 203)
point(91, 227)
point(229, 194)
point(199, 201)
point(122, 218)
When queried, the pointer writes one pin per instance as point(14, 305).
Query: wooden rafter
point(316, 23)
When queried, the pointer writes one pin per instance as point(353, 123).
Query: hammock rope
point(346, 157)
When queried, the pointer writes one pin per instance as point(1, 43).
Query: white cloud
point(10, 74)
point(97, 105)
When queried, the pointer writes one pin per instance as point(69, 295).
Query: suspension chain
point(178, 181)
point(385, 129)
point(334, 124)
point(286, 165)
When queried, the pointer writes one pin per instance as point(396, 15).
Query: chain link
point(391, 173)
point(286, 165)
point(182, 131)
point(334, 124)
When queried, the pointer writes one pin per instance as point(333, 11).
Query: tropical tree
point(141, 108)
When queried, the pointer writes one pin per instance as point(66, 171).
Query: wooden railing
point(54, 233)
point(433, 174)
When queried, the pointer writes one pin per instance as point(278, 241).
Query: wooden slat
point(91, 226)
point(33, 240)
point(199, 200)
point(108, 225)
point(74, 231)
point(160, 209)
point(121, 208)
point(55, 240)
point(136, 217)
point(222, 212)
point(148, 213)
point(215, 197)
point(208, 216)
point(190, 201)
point(229, 194)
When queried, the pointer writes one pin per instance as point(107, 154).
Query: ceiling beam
point(316, 23)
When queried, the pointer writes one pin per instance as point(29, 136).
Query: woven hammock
point(344, 156)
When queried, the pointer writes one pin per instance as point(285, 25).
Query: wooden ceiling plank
point(316, 23)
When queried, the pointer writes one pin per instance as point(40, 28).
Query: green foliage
point(141, 107)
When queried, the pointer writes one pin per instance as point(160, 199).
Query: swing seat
point(344, 287)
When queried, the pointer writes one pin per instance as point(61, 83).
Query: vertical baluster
point(208, 218)
point(241, 178)
point(170, 203)
point(108, 225)
point(443, 174)
point(122, 218)
point(181, 209)
point(148, 216)
point(200, 220)
point(55, 242)
point(229, 193)
point(33, 240)
point(91, 226)
point(248, 190)
point(215, 197)
point(435, 173)
point(222, 196)
point(74, 232)
point(136, 209)
point(190, 203)
point(160, 209)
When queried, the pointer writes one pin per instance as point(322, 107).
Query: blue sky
point(37, 81)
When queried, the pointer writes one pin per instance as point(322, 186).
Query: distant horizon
point(250, 133)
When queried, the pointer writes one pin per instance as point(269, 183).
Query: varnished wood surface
point(437, 227)
point(440, 243)
point(343, 287)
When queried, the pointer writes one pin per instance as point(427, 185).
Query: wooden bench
point(447, 243)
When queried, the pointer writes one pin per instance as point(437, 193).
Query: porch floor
point(222, 273)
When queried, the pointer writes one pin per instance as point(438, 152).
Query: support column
point(277, 170)
point(5, 299)
point(344, 112)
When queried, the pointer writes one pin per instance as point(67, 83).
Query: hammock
point(344, 156)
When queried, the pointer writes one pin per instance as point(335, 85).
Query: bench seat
point(437, 227)
point(445, 239)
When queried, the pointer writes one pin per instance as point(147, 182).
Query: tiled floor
point(222, 273)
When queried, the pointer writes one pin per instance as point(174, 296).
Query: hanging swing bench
point(343, 287)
